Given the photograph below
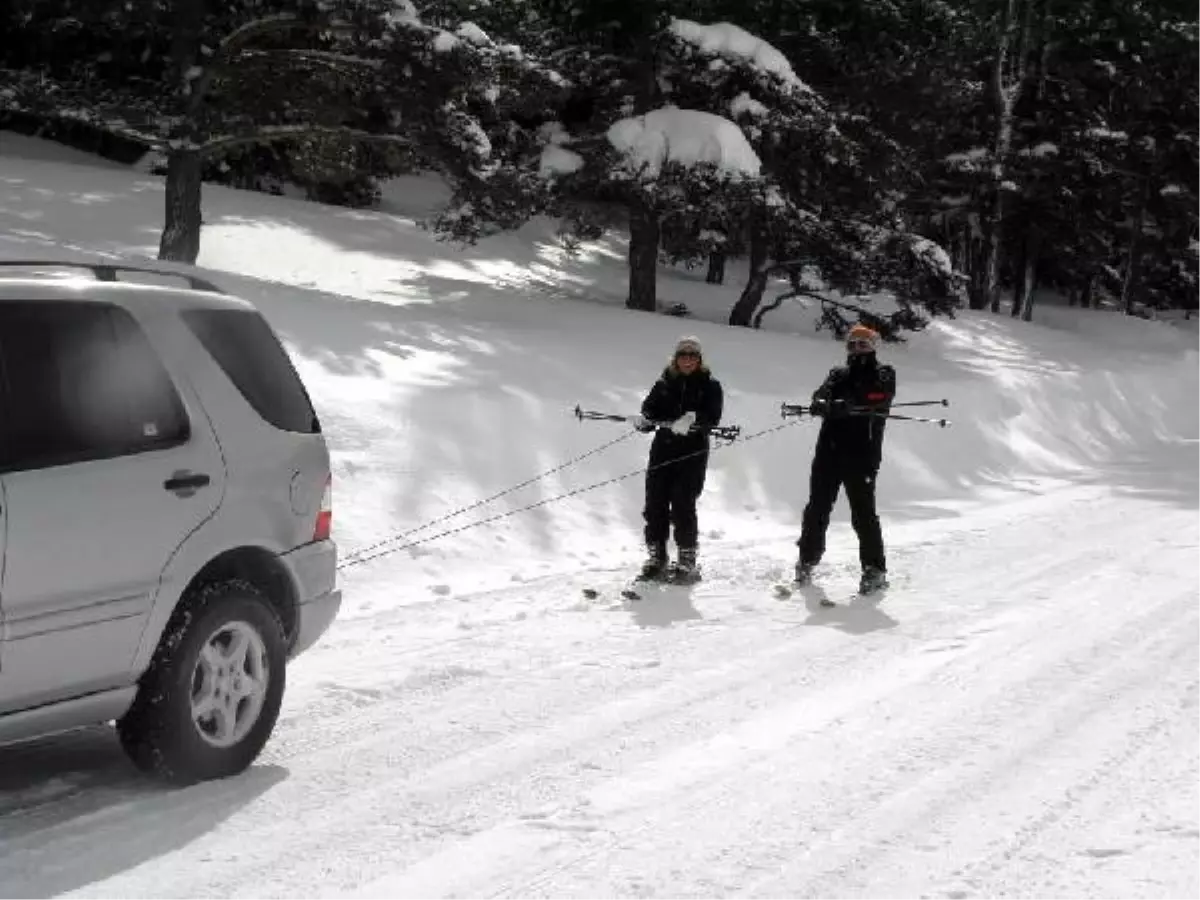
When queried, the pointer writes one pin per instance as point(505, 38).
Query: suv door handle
point(186, 483)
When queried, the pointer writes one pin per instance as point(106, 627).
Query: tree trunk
point(716, 267)
point(1027, 276)
point(1020, 282)
point(1085, 296)
point(181, 229)
point(645, 228)
point(975, 263)
point(1129, 287)
point(742, 314)
point(180, 241)
point(1004, 91)
point(643, 257)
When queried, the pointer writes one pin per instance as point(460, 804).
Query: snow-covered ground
point(1016, 717)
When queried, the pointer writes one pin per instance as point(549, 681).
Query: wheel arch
point(260, 568)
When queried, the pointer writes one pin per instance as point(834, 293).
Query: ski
point(629, 591)
point(672, 577)
point(786, 589)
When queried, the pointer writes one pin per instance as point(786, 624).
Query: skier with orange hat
point(852, 401)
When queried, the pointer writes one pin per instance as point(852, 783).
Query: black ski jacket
point(675, 394)
point(856, 441)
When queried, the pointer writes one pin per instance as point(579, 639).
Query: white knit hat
point(688, 345)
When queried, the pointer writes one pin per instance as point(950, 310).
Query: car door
point(3, 535)
point(107, 463)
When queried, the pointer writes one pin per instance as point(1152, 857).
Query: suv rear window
point(82, 382)
point(250, 354)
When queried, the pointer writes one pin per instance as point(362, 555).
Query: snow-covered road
point(1017, 717)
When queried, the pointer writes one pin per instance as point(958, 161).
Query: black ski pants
point(672, 489)
point(829, 474)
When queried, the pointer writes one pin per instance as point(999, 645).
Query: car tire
point(209, 700)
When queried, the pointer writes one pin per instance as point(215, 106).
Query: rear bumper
point(313, 620)
point(313, 568)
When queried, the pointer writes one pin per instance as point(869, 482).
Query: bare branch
point(270, 133)
point(237, 39)
point(324, 57)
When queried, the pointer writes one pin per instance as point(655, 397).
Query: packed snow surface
point(1016, 716)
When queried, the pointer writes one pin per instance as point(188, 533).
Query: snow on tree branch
point(686, 137)
point(733, 43)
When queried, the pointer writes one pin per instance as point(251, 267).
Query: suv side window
point(247, 350)
point(82, 382)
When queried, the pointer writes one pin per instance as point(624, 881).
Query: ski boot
point(686, 571)
point(873, 579)
point(655, 566)
point(803, 571)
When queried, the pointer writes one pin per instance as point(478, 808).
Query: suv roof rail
point(108, 271)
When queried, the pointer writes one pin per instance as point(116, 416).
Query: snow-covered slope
point(1018, 716)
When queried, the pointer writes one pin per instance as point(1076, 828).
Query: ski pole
point(797, 409)
point(922, 403)
point(720, 432)
point(591, 414)
point(787, 410)
point(879, 415)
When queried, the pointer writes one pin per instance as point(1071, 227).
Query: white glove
point(640, 423)
point(684, 423)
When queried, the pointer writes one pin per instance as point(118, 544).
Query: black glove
point(837, 409)
point(828, 408)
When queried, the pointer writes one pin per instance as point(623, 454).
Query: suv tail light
point(324, 526)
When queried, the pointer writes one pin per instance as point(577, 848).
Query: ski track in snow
point(1017, 716)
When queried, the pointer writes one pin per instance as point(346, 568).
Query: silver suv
point(165, 517)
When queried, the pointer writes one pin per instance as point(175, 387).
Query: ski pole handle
point(594, 416)
point(787, 410)
point(725, 432)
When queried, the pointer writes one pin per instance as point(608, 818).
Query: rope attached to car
point(382, 548)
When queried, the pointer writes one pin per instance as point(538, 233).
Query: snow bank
point(685, 136)
point(732, 42)
point(444, 375)
point(990, 694)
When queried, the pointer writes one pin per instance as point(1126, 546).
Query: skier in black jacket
point(848, 454)
point(692, 400)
